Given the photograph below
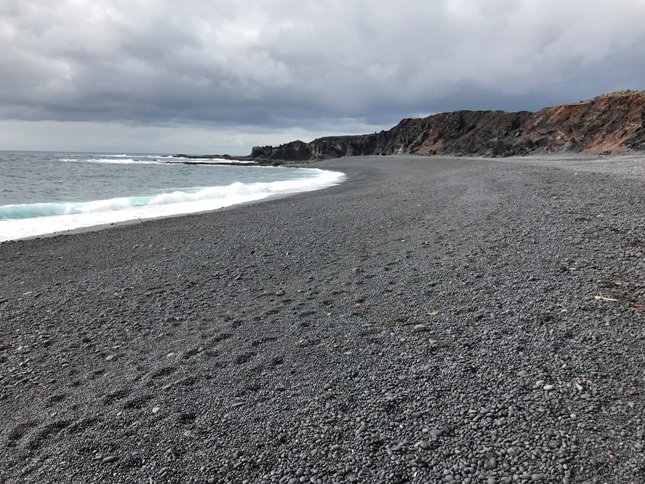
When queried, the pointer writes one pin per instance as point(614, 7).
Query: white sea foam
point(222, 161)
point(152, 160)
point(23, 221)
point(121, 161)
point(181, 159)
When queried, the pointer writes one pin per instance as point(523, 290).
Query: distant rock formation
point(610, 123)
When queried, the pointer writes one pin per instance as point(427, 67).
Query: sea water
point(45, 192)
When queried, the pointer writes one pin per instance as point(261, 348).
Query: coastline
point(22, 221)
point(427, 320)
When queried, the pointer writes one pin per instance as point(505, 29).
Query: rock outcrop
point(612, 122)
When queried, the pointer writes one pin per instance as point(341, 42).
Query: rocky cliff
point(612, 122)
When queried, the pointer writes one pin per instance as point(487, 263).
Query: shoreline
point(117, 218)
point(427, 320)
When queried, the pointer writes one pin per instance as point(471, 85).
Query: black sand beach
point(429, 320)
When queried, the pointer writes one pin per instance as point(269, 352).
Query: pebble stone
point(266, 387)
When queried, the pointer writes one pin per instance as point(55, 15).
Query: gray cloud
point(291, 65)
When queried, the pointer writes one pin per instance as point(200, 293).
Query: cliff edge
point(612, 122)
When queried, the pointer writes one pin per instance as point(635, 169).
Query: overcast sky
point(222, 75)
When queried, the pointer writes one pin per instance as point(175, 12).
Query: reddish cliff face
point(612, 122)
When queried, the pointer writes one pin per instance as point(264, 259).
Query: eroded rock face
point(293, 151)
point(612, 122)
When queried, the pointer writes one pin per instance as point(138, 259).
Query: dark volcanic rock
point(429, 320)
point(612, 122)
point(293, 151)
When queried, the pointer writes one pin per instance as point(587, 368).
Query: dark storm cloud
point(305, 64)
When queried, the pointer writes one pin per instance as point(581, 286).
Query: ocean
point(44, 193)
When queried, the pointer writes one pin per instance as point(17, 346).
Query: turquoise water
point(43, 192)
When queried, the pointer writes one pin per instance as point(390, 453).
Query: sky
point(219, 76)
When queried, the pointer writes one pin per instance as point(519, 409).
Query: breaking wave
point(28, 220)
point(150, 160)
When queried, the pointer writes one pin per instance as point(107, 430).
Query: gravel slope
point(429, 320)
